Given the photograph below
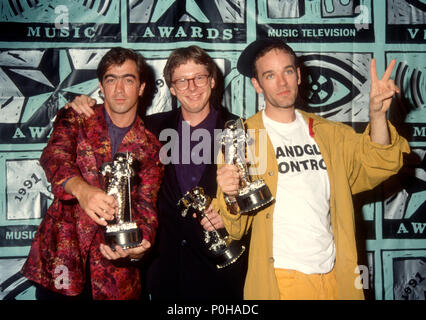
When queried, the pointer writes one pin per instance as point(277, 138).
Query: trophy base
point(254, 197)
point(126, 235)
point(230, 254)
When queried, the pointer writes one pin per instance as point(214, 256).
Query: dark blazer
point(181, 268)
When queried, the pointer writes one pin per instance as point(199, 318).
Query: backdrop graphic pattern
point(49, 51)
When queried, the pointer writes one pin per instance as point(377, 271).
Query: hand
point(212, 220)
point(82, 105)
point(381, 91)
point(119, 253)
point(228, 179)
point(94, 201)
point(98, 205)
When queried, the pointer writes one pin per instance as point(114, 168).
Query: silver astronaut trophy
point(252, 195)
point(224, 250)
point(121, 230)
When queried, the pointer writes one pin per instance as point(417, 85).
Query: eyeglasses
point(200, 80)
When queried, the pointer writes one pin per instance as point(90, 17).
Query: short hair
point(277, 46)
point(117, 56)
point(183, 55)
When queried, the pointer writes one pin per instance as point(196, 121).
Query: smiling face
point(193, 100)
point(121, 88)
point(277, 79)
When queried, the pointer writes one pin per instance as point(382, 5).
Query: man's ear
point(101, 88)
point(142, 88)
point(256, 85)
point(299, 78)
point(172, 91)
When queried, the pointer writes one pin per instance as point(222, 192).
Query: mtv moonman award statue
point(252, 195)
point(121, 230)
point(224, 250)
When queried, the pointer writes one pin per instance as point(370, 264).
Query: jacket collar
point(97, 132)
point(311, 119)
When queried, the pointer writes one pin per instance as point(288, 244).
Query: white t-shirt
point(302, 235)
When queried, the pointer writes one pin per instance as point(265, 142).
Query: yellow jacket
point(354, 164)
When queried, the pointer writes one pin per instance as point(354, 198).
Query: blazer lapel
point(170, 178)
point(136, 133)
point(208, 178)
point(97, 134)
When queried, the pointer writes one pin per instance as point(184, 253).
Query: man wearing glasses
point(182, 269)
point(179, 266)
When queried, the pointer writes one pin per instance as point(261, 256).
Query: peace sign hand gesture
point(381, 93)
point(381, 90)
